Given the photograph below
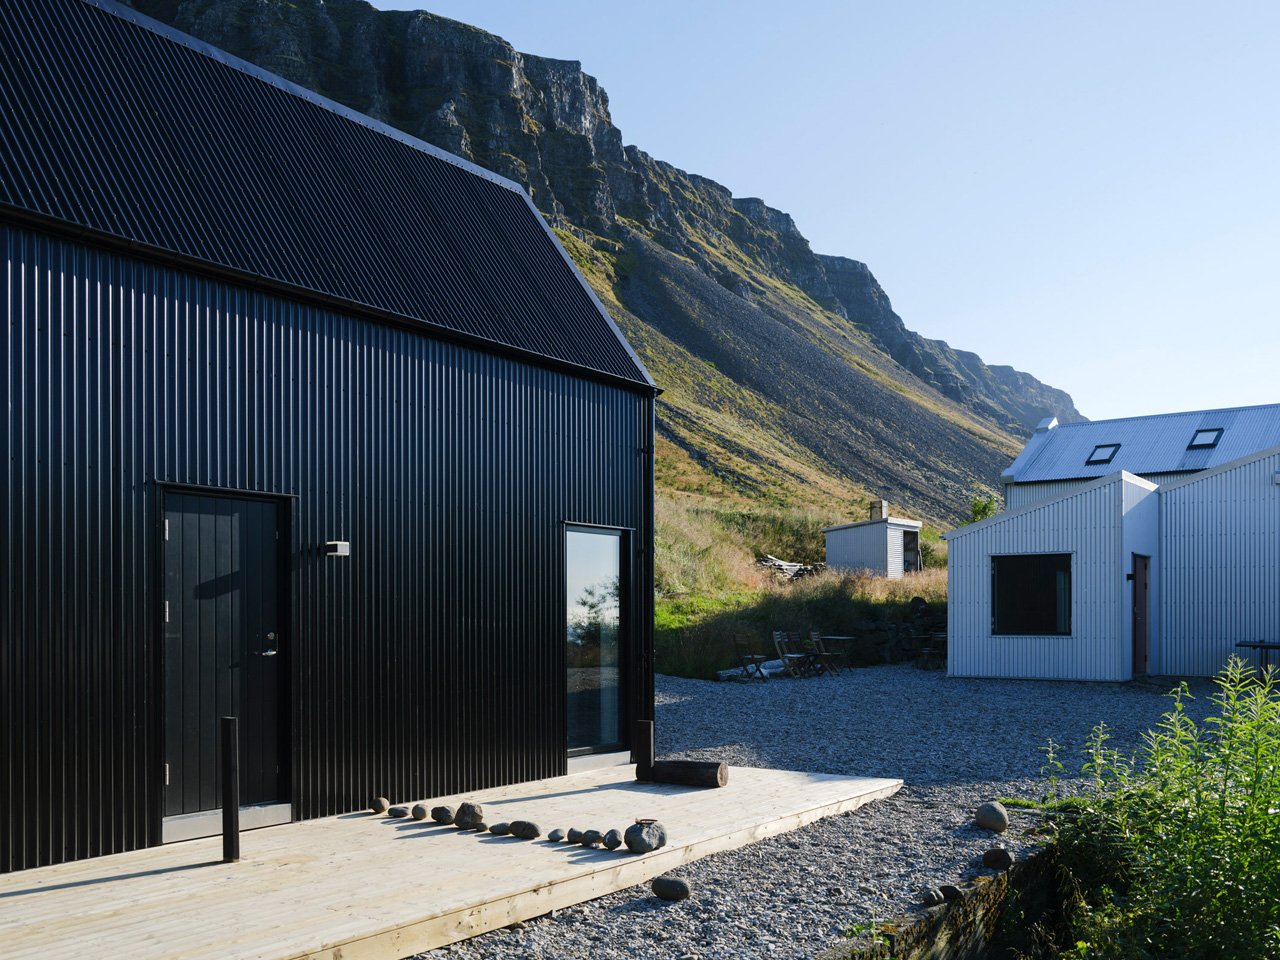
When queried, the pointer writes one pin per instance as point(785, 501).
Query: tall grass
point(1176, 853)
point(694, 635)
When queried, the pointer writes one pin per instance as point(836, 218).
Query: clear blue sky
point(1087, 191)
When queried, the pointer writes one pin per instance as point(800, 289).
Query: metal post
point(643, 749)
point(230, 790)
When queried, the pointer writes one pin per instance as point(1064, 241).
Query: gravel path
point(955, 742)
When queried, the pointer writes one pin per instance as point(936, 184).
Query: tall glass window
point(593, 574)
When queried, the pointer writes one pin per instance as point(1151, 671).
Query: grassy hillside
point(789, 381)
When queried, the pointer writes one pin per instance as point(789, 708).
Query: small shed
point(887, 546)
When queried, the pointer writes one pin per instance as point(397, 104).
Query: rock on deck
point(359, 886)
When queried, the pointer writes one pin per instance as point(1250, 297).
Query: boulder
point(380, 805)
point(469, 814)
point(500, 829)
point(555, 836)
point(997, 858)
point(932, 897)
point(442, 814)
point(574, 835)
point(399, 812)
point(526, 830)
point(419, 811)
point(950, 892)
point(591, 838)
point(668, 887)
point(645, 837)
point(992, 816)
point(613, 839)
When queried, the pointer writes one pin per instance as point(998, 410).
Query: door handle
point(271, 638)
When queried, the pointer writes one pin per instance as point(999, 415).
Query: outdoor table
point(1264, 646)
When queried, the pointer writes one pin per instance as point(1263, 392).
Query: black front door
point(222, 648)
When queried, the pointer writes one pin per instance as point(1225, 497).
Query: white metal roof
point(1156, 444)
point(897, 521)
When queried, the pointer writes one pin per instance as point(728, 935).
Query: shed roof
point(896, 521)
point(117, 125)
point(1146, 445)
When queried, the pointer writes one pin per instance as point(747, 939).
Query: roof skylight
point(1205, 439)
point(1103, 453)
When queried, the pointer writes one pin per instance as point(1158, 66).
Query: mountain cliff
point(788, 377)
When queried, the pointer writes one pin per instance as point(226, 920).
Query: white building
point(887, 546)
point(1128, 547)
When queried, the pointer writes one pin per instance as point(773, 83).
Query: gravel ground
point(954, 742)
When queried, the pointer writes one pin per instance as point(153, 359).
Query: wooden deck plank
point(370, 888)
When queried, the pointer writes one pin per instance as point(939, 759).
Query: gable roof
point(1120, 476)
point(1147, 445)
point(120, 126)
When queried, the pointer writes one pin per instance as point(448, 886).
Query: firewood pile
point(784, 570)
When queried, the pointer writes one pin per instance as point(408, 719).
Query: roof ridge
point(1161, 416)
point(195, 44)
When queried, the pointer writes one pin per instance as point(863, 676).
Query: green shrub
point(1176, 853)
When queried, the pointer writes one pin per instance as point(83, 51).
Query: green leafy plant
point(1175, 852)
point(980, 508)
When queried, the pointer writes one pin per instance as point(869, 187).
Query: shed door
point(222, 648)
point(1141, 602)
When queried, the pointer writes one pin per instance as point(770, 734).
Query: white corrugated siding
point(1023, 494)
point(862, 547)
point(1220, 540)
point(1088, 525)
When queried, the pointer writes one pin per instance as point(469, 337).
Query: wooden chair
point(795, 662)
point(826, 659)
point(932, 655)
point(751, 664)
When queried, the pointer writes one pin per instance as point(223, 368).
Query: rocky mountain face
point(788, 376)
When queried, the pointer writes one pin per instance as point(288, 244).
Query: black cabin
point(306, 422)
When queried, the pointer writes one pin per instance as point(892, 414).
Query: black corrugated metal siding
point(431, 660)
point(117, 128)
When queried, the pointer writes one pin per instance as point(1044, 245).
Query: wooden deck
point(359, 886)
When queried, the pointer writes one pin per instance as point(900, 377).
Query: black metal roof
point(113, 123)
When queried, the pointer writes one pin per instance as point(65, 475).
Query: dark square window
point(1205, 439)
point(1104, 453)
point(1031, 594)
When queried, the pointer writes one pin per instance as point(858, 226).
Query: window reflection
point(593, 567)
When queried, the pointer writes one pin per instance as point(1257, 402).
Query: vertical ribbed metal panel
point(431, 660)
point(1018, 495)
point(860, 547)
point(1089, 526)
point(1220, 566)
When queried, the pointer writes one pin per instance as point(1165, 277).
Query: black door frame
point(626, 614)
point(285, 504)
